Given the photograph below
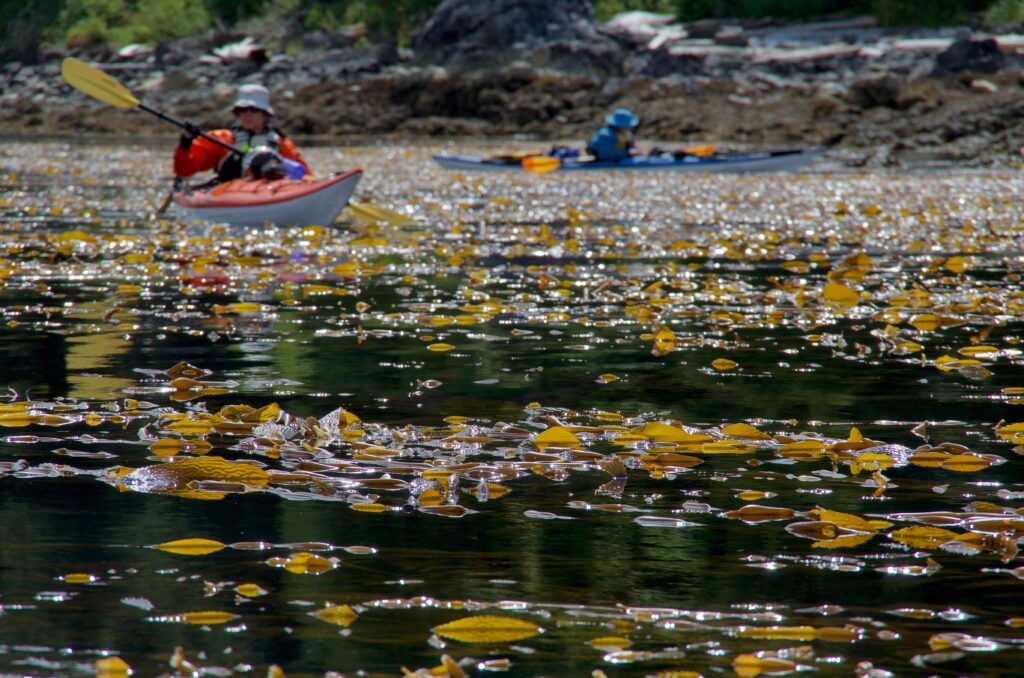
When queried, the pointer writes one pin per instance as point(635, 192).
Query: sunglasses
point(248, 109)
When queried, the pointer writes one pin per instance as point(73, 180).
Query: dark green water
point(74, 340)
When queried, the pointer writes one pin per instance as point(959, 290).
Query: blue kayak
point(766, 161)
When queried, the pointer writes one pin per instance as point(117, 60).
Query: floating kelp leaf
point(251, 545)
point(207, 618)
point(545, 515)
point(664, 341)
point(753, 513)
point(558, 436)
point(750, 665)
point(839, 295)
point(447, 510)
point(170, 447)
point(929, 458)
point(191, 547)
point(725, 447)
point(754, 495)
point(191, 427)
point(924, 660)
point(819, 530)
point(247, 413)
point(383, 483)
point(337, 420)
point(237, 307)
point(369, 507)
point(962, 641)
point(614, 467)
point(495, 665)
point(849, 520)
point(180, 663)
point(64, 452)
point(78, 578)
point(844, 542)
point(341, 615)
point(429, 497)
point(803, 450)
point(744, 432)
point(984, 351)
point(175, 475)
point(955, 264)
point(1011, 432)
point(922, 537)
point(184, 369)
point(776, 632)
point(929, 568)
point(112, 667)
point(926, 322)
point(841, 634)
point(19, 420)
point(674, 460)
point(487, 629)
point(874, 461)
point(74, 236)
point(138, 602)
point(305, 563)
point(966, 463)
point(360, 550)
point(607, 508)
point(663, 521)
point(250, 590)
point(658, 432)
point(608, 643)
point(855, 441)
point(724, 364)
point(968, 367)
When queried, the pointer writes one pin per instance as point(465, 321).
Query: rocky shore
point(549, 71)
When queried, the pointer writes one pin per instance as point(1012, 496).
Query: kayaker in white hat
point(265, 146)
point(615, 140)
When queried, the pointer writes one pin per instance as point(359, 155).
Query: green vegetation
point(606, 9)
point(90, 22)
point(25, 24)
point(692, 10)
point(888, 12)
point(1005, 11)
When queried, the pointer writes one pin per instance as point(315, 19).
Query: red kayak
point(282, 202)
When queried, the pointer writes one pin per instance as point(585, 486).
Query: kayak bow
point(282, 202)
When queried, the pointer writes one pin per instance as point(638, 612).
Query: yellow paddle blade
point(373, 214)
point(97, 84)
point(541, 163)
point(701, 151)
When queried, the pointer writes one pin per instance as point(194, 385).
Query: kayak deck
point(282, 202)
point(767, 161)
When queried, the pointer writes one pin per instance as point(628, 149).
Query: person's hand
point(190, 131)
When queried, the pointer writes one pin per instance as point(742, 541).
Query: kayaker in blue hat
point(265, 146)
point(615, 141)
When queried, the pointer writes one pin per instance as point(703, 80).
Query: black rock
point(965, 54)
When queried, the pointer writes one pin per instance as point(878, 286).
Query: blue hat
point(622, 117)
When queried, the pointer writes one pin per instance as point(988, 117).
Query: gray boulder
point(559, 34)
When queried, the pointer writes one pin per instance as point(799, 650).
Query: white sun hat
point(256, 96)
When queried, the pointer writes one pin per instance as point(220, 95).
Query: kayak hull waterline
point(282, 202)
point(768, 161)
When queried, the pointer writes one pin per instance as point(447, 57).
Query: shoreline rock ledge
point(548, 70)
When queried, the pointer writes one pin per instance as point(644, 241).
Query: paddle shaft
point(181, 124)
